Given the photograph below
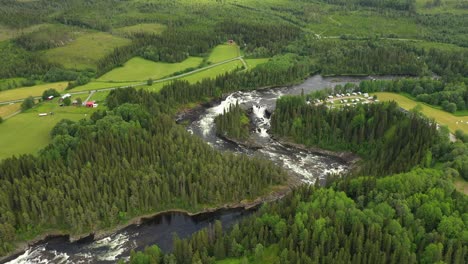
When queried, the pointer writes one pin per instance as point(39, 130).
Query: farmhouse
point(65, 96)
point(90, 104)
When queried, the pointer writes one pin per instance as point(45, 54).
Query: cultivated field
point(252, 63)
point(85, 50)
point(139, 69)
point(36, 90)
point(7, 110)
point(444, 118)
point(28, 133)
point(223, 52)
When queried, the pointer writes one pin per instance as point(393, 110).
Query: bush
point(50, 92)
point(1, 120)
point(67, 101)
point(27, 103)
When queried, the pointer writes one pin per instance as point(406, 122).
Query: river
point(307, 166)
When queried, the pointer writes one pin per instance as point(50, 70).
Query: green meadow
point(139, 69)
point(444, 118)
point(36, 90)
point(224, 52)
point(85, 50)
point(28, 132)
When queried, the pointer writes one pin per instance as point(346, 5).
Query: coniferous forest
point(404, 202)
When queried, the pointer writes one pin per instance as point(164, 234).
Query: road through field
point(142, 83)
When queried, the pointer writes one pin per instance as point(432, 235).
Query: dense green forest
point(233, 123)
point(120, 164)
point(415, 217)
point(132, 159)
point(391, 140)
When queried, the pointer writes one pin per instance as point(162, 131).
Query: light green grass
point(27, 133)
point(36, 90)
point(139, 69)
point(85, 51)
point(100, 85)
point(441, 117)
point(223, 52)
point(140, 28)
point(196, 77)
point(252, 63)
point(99, 97)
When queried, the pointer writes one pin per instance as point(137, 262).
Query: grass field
point(139, 69)
point(444, 118)
point(100, 85)
point(223, 52)
point(140, 28)
point(28, 133)
point(252, 63)
point(36, 90)
point(85, 50)
point(6, 110)
point(209, 73)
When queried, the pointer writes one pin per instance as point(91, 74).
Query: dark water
point(308, 166)
point(159, 230)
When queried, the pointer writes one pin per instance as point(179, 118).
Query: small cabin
point(43, 114)
point(65, 96)
point(230, 42)
point(90, 104)
point(50, 97)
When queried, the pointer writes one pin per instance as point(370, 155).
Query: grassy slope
point(223, 52)
point(36, 90)
point(270, 255)
point(140, 28)
point(209, 73)
point(139, 69)
point(28, 133)
point(85, 50)
point(440, 116)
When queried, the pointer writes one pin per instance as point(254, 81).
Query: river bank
point(275, 193)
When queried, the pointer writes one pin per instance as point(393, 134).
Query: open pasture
point(85, 51)
point(444, 118)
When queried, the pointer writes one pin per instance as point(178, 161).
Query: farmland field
point(6, 110)
point(139, 69)
point(223, 52)
point(444, 118)
point(209, 73)
point(85, 50)
point(36, 90)
point(28, 133)
point(101, 85)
